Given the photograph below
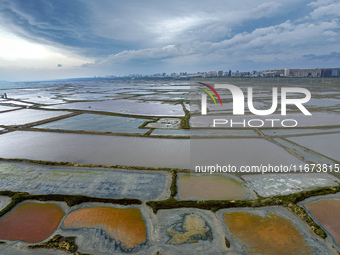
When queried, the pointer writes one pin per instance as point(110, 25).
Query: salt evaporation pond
point(326, 212)
point(322, 102)
point(269, 234)
point(171, 132)
point(140, 151)
point(99, 123)
point(31, 222)
point(131, 107)
point(268, 185)
point(204, 132)
point(238, 152)
point(95, 182)
point(292, 131)
point(327, 144)
point(213, 132)
point(7, 108)
point(194, 229)
point(125, 227)
point(25, 116)
point(210, 187)
point(96, 149)
point(317, 119)
point(17, 103)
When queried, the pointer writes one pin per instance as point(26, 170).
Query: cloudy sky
point(48, 39)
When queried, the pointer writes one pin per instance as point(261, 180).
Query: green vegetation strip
point(173, 187)
point(61, 243)
point(185, 120)
point(56, 163)
point(71, 200)
point(289, 201)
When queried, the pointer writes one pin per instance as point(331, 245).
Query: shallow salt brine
point(99, 123)
point(271, 234)
point(125, 226)
point(326, 144)
point(96, 149)
point(210, 187)
point(31, 222)
point(25, 116)
point(326, 212)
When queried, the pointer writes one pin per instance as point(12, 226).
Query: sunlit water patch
point(25, 116)
point(4, 108)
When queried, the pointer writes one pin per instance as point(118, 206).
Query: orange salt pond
point(271, 234)
point(31, 222)
point(210, 187)
point(123, 225)
point(326, 212)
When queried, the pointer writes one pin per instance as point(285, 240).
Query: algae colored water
point(210, 187)
point(31, 222)
point(123, 225)
point(271, 234)
point(326, 212)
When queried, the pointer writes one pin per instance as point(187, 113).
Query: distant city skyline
point(45, 39)
point(286, 72)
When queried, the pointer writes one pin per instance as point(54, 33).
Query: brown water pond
point(210, 187)
point(123, 225)
point(326, 212)
point(271, 234)
point(31, 222)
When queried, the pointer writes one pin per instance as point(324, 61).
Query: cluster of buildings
point(318, 72)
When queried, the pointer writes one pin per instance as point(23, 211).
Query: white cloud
point(283, 42)
point(13, 47)
point(326, 10)
point(265, 9)
point(319, 3)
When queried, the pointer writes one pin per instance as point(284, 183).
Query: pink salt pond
point(326, 212)
point(31, 222)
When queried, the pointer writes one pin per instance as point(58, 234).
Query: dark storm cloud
point(60, 23)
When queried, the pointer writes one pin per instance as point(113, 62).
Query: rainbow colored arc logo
point(209, 93)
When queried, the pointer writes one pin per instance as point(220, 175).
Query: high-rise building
point(286, 72)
